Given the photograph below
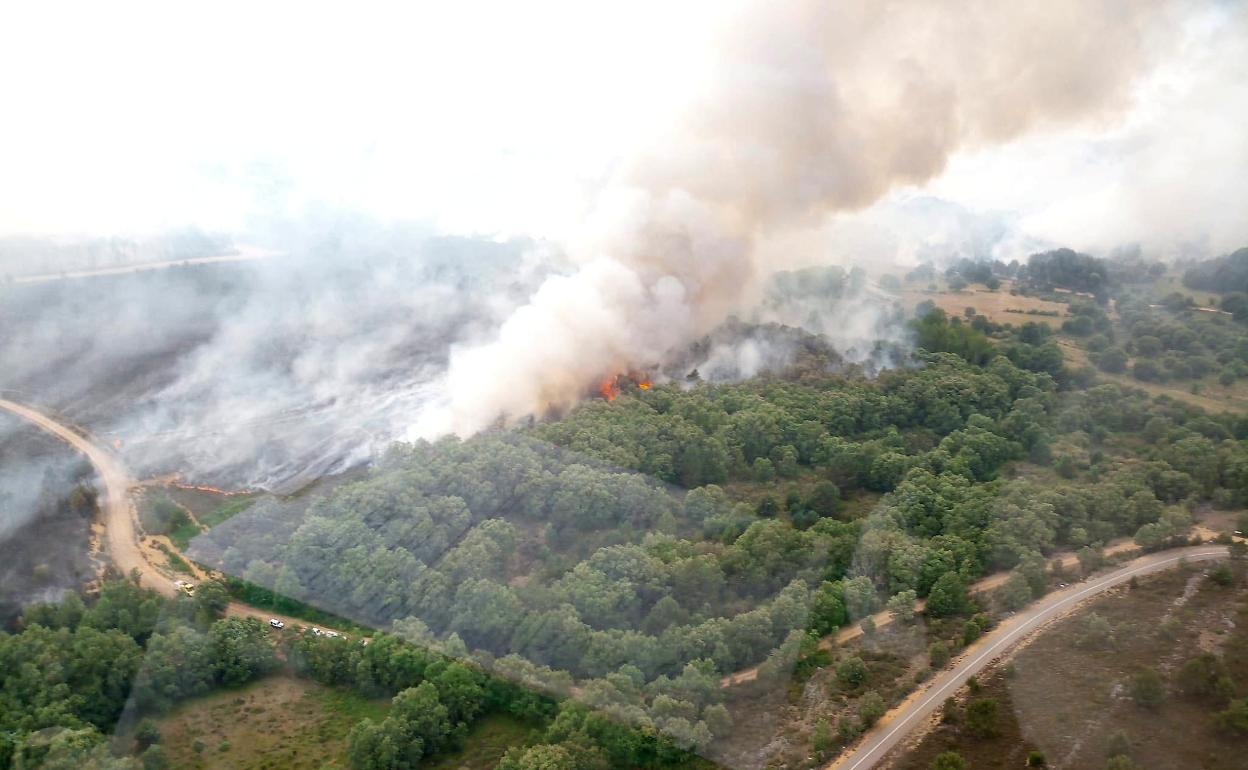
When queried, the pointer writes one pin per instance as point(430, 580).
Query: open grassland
point(998, 306)
point(286, 723)
point(1213, 397)
point(278, 723)
point(1068, 698)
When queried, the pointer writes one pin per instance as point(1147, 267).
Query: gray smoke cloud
point(813, 108)
point(263, 372)
point(273, 371)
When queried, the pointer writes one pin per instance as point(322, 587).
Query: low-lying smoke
point(812, 108)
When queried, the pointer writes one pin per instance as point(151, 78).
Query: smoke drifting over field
point(813, 108)
point(808, 112)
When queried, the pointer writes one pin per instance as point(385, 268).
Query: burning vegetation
point(211, 490)
point(611, 386)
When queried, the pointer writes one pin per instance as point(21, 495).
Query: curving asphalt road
point(884, 617)
point(914, 710)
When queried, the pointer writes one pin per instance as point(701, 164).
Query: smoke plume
point(811, 108)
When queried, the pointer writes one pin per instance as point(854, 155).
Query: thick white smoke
point(813, 107)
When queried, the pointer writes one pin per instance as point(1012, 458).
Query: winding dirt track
point(120, 538)
point(117, 510)
point(914, 710)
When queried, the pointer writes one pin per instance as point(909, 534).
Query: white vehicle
point(316, 631)
point(276, 623)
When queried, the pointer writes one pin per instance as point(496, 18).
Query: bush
point(1235, 717)
point(1222, 574)
point(146, 734)
point(1097, 633)
point(949, 713)
point(983, 717)
point(948, 596)
point(949, 760)
point(1147, 689)
point(1119, 744)
point(851, 672)
point(871, 708)
point(154, 758)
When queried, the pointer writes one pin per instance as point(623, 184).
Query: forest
point(600, 573)
point(1228, 273)
point(80, 669)
point(637, 550)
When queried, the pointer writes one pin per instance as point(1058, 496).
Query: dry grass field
point(286, 723)
point(1213, 396)
point(998, 306)
point(1067, 700)
point(277, 723)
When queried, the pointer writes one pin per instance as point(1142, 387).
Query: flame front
point(609, 387)
point(213, 490)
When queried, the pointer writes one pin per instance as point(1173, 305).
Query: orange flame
point(206, 488)
point(609, 387)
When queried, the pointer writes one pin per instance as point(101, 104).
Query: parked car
point(276, 623)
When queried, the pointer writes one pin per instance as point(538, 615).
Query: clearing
point(277, 723)
point(287, 723)
point(998, 306)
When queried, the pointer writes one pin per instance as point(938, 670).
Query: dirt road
point(121, 538)
point(117, 510)
point(914, 710)
point(244, 254)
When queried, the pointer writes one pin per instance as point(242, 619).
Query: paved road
point(913, 711)
point(244, 254)
point(884, 617)
point(117, 508)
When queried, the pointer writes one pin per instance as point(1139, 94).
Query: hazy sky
point(493, 117)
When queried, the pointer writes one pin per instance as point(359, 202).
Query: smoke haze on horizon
point(652, 193)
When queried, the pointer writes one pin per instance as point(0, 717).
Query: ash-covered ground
point(265, 373)
point(45, 518)
point(271, 373)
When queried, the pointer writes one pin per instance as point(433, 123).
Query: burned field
point(46, 504)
